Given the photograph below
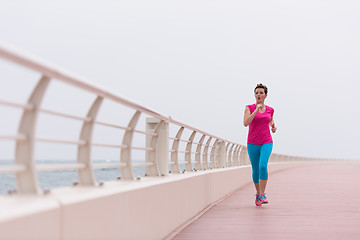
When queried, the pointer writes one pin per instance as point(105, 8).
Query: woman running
point(259, 144)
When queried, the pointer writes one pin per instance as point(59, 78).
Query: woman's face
point(260, 95)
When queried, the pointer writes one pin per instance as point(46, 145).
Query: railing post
point(160, 143)
point(188, 164)
point(205, 154)
point(247, 158)
point(222, 154)
point(175, 168)
point(198, 152)
point(238, 156)
point(235, 153)
point(26, 181)
point(86, 175)
point(243, 156)
point(125, 154)
point(227, 154)
point(230, 153)
point(212, 154)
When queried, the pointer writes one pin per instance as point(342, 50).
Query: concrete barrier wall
point(151, 208)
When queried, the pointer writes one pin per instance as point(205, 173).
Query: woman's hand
point(273, 128)
point(259, 107)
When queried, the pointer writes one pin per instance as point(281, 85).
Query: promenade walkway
point(318, 201)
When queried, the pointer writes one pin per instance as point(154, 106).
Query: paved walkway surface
point(320, 201)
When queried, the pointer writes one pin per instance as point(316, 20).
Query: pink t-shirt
point(259, 129)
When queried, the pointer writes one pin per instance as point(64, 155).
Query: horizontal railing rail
point(211, 151)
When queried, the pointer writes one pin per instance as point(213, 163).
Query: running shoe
point(263, 199)
point(257, 200)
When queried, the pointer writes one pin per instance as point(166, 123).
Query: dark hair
point(261, 86)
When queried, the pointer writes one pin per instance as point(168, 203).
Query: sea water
point(63, 178)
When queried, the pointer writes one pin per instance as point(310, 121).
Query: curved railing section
point(162, 151)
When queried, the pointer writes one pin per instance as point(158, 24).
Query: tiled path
point(319, 201)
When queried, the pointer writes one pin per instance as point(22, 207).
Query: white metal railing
point(211, 151)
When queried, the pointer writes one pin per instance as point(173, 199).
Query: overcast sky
point(199, 61)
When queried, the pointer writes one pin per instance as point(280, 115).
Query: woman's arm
point(272, 124)
point(248, 117)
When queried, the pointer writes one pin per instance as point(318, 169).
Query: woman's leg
point(254, 155)
point(265, 153)
point(262, 186)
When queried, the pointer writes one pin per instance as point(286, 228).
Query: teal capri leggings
point(259, 158)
